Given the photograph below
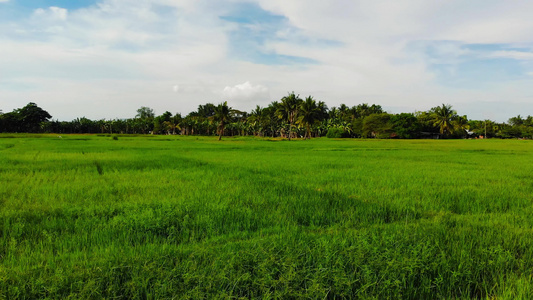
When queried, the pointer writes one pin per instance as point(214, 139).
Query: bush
point(336, 133)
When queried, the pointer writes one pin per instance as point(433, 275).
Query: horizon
point(249, 112)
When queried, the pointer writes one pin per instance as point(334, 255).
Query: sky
point(104, 59)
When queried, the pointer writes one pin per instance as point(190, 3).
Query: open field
point(155, 217)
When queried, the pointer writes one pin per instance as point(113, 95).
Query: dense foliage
point(177, 217)
point(30, 118)
point(291, 117)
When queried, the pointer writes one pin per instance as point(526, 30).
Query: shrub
point(336, 133)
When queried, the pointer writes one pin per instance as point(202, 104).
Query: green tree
point(516, 121)
point(518, 127)
point(332, 113)
point(202, 119)
point(145, 119)
point(336, 133)
point(529, 121)
point(460, 126)
point(288, 109)
point(207, 110)
point(425, 120)
point(31, 116)
point(272, 120)
point(309, 114)
point(405, 125)
point(187, 124)
point(2, 125)
point(442, 118)
point(222, 115)
point(377, 125)
point(257, 120)
point(161, 123)
point(343, 112)
point(365, 110)
point(485, 128)
point(509, 131)
point(175, 123)
point(9, 122)
point(85, 125)
point(145, 113)
point(357, 127)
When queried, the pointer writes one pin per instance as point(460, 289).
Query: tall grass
point(156, 217)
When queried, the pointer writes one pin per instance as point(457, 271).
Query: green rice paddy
point(173, 217)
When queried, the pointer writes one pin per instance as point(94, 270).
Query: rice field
point(174, 217)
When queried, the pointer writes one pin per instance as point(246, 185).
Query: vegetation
point(336, 132)
point(222, 115)
point(290, 118)
point(443, 117)
point(30, 118)
point(310, 114)
point(139, 217)
point(288, 110)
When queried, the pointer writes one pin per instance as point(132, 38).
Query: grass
point(159, 217)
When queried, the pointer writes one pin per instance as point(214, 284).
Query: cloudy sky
point(107, 58)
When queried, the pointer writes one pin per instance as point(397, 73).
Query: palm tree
point(309, 113)
point(271, 119)
point(442, 117)
point(256, 120)
point(288, 109)
point(460, 125)
point(240, 122)
point(343, 111)
point(363, 110)
point(222, 115)
point(376, 109)
point(332, 113)
point(516, 121)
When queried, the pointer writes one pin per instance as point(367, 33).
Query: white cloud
point(52, 13)
point(118, 55)
point(246, 93)
point(513, 54)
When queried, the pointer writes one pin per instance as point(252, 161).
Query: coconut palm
point(516, 121)
point(343, 112)
point(365, 110)
point(309, 114)
point(288, 109)
point(442, 117)
point(271, 118)
point(460, 125)
point(257, 120)
point(222, 115)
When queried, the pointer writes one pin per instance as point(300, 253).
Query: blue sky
point(15, 9)
point(106, 58)
point(477, 66)
point(34, 4)
point(253, 28)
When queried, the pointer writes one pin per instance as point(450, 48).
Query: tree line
point(291, 117)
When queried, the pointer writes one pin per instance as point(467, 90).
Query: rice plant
point(192, 217)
